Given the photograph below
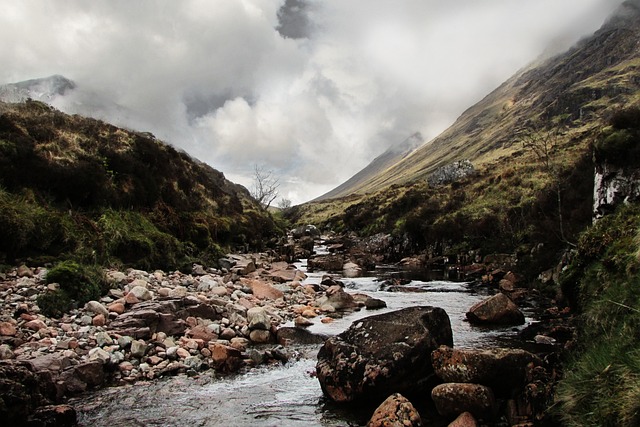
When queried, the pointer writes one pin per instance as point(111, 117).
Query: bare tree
point(284, 204)
point(545, 144)
point(265, 186)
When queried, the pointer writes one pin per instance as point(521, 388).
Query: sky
point(311, 90)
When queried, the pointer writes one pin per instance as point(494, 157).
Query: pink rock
point(395, 411)
point(464, 420)
point(182, 353)
point(262, 290)
point(7, 329)
point(131, 299)
point(35, 325)
point(98, 320)
point(116, 307)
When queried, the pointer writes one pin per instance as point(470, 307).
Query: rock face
point(504, 370)
point(613, 186)
point(497, 310)
point(383, 354)
point(396, 411)
point(452, 399)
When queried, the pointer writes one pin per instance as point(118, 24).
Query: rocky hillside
point(575, 89)
point(73, 186)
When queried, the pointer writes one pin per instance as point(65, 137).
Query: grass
point(602, 382)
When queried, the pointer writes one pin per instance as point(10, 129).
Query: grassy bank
point(601, 386)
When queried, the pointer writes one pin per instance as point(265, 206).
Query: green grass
point(602, 382)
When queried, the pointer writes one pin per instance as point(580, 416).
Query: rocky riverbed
point(154, 324)
point(159, 324)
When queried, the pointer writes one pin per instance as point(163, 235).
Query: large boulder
point(396, 411)
point(496, 310)
point(502, 369)
point(383, 354)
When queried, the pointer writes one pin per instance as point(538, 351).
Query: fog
point(312, 90)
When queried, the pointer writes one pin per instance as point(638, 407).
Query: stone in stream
point(497, 310)
point(395, 411)
point(383, 354)
point(502, 369)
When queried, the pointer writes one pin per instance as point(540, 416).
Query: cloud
point(312, 90)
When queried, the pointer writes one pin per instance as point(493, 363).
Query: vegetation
point(602, 381)
point(78, 284)
point(78, 188)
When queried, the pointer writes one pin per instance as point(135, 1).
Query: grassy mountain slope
point(575, 88)
point(73, 186)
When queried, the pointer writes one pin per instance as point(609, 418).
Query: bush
point(81, 283)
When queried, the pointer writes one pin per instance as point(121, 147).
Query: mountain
point(43, 89)
point(77, 187)
point(574, 89)
point(378, 166)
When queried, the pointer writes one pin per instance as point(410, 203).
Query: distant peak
point(41, 89)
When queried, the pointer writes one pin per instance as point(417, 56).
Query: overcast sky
point(310, 89)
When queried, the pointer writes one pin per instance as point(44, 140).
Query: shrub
point(54, 303)
point(81, 283)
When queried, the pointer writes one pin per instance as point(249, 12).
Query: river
point(282, 395)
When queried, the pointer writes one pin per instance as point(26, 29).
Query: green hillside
point(77, 187)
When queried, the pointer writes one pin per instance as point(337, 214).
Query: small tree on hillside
point(544, 144)
point(265, 186)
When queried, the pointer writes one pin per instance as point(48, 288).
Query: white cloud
point(218, 78)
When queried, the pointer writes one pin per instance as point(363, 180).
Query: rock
point(97, 308)
point(350, 269)
point(103, 338)
point(36, 325)
point(502, 369)
point(99, 354)
point(54, 362)
point(326, 263)
point(146, 318)
point(302, 322)
point(227, 334)
point(24, 271)
point(138, 348)
point(258, 318)
point(99, 320)
point(21, 391)
point(263, 290)
point(466, 419)
point(178, 292)
point(288, 335)
point(498, 310)
point(116, 307)
point(8, 329)
point(260, 336)
point(201, 332)
point(452, 399)
point(54, 416)
point(395, 411)
point(225, 358)
point(5, 352)
point(336, 297)
point(131, 299)
point(382, 354)
point(141, 293)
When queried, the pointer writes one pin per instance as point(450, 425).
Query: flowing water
point(280, 395)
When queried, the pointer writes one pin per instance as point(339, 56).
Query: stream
point(283, 395)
